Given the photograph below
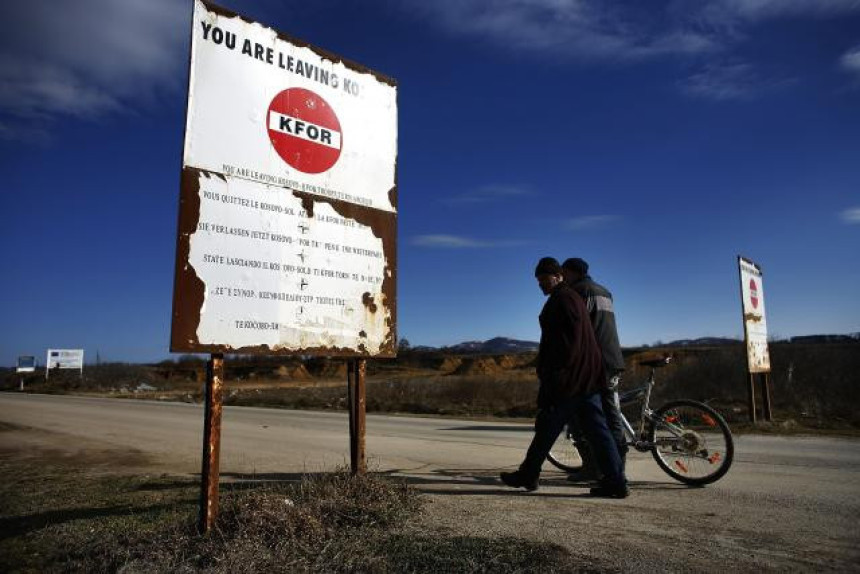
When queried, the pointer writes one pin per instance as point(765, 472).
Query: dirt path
point(787, 504)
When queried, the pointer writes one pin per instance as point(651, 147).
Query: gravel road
point(788, 503)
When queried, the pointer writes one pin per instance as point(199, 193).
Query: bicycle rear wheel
point(564, 454)
point(692, 442)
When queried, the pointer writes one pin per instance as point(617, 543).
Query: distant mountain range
point(701, 342)
point(497, 345)
point(506, 346)
point(494, 346)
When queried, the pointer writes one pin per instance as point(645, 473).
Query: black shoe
point(519, 480)
point(618, 491)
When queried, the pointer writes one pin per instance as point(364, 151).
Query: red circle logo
point(304, 130)
point(754, 294)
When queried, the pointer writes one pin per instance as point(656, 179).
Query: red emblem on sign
point(754, 294)
point(304, 130)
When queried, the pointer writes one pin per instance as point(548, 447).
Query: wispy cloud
point(590, 222)
point(850, 61)
point(581, 29)
point(490, 193)
point(598, 30)
point(447, 241)
point(86, 58)
point(458, 242)
point(590, 31)
point(851, 216)
point(730, 81)
point(758, 10)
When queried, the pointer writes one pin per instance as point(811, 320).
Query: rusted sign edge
point(189, 289)
point(331, 56)
point(383, 225)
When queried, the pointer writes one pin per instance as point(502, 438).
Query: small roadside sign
point(26, 364)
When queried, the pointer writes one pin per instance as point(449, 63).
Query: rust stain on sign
point(368, 302)
point(308, 206)
point(383, 225)
point(188, 289)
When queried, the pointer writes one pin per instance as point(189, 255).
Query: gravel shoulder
point(788, 504)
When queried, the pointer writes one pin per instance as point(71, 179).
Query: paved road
point(787, 503)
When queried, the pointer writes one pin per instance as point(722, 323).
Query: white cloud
point(590, 222)
point(591, 30)
point(851, 216)
point(447, 241)
point(580, 29)
point(757, 10)
point(85, 58)
point(490, 193)
point(850, 61)
point(730, 81)
point(458, 242)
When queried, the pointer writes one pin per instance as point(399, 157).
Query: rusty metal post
point(752, 407)
point(350, 402)
point(211, 443)
point(356, 373)
point(767, 411)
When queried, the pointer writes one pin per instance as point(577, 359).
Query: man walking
point(570, 371)
point(598, 303)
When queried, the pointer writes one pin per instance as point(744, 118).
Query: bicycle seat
point(657, 363)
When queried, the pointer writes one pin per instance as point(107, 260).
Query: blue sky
point(657, 143)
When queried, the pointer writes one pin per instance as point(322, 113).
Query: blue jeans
point(612, 411)
point(587, 410)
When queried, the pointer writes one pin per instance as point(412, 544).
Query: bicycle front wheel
point(691, 442)
point(564, 454)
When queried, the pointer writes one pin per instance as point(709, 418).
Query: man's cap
point(576, 265)
point(548, 266)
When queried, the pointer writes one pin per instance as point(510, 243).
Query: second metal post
point(356, 372)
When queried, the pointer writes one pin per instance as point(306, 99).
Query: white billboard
point(26, 364)
point(64, 359)
point(274, 110)
point(755, 324)
point(288, 204)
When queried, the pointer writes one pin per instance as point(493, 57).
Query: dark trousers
point(588, 411)
point(612, 410)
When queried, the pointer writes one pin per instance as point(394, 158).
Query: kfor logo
point(304, 130)
point(753, 293)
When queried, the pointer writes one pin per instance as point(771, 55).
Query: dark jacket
point(569, 361)
point(598, 302)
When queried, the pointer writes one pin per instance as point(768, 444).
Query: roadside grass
point(815, 387)
point(509, 394)
point(66, 518)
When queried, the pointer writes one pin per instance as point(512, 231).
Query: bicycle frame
point(690, 440)
point(637, 439)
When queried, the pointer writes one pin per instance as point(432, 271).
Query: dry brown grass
point(68, 519)
point(813, 386)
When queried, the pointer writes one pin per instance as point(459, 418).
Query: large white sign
point(272, 110)
point(65, 359)
point(288, 205)
point(755, 325)
point(281, 277)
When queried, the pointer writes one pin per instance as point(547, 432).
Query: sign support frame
point(763, 377)
point(209, 474)
point(751, 397)
point(356, 383)
point(364, 198)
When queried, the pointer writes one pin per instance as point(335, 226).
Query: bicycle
point(690, 441)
